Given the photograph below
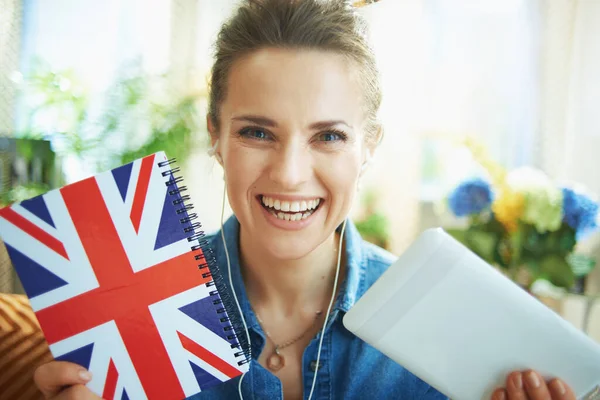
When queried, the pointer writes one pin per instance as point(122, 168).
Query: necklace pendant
point(275, 361)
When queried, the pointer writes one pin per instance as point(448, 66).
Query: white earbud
point(367, 162)
point(212, 152)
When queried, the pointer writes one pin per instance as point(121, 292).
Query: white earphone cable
point(233, 290)
point(332, 300)
point(335, 282)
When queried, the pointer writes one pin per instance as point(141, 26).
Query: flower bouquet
point(525, 224)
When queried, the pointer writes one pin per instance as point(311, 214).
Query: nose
point(291, 165)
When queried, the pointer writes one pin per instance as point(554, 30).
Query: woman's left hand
point(529, 385)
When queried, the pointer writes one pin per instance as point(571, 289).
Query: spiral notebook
point(123, 283)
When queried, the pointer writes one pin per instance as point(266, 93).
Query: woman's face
point(292, 145)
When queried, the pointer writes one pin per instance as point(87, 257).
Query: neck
point(286, 287)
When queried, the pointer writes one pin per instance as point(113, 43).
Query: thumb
point(53, 377)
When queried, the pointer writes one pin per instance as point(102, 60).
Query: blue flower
point(580, 212)
point(470, 197)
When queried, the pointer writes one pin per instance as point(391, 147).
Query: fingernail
point(559, 386)
point(500, 395)
point(518, 381)
point(532, 380)
point(85, 375)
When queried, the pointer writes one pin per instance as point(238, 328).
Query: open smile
point(296, 210)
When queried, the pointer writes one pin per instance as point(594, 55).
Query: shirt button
point(313, 365)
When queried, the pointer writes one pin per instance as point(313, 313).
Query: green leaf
point(482, 243)
point(516, 245)
point(567, 239)
point(477, 240)
point(375, 227)
point(458, 234)
point(557, 270)
point(581, 265)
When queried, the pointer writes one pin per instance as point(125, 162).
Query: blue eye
point(254, 133)
point(329, 137)
point(332, 137)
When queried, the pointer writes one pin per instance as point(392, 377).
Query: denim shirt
point(350, 368)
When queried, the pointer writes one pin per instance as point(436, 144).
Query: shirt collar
point(348, 294)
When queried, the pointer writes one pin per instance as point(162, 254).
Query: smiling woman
point(292, 119)
point(291, 129)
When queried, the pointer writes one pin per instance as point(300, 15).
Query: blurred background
point(503, 91)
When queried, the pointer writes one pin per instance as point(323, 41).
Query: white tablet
point(457, 323)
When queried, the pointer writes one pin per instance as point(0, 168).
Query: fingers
point(560, 391)
point(529, 385)
point(499, 394)
point(51, 378)
point(77, 392)
point(535, 386)
point(515, 387)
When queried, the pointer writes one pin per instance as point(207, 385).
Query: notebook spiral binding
point(594, 394)
point(207, 264)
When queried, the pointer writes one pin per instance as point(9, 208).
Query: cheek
point(242, 170)
point(341, 178)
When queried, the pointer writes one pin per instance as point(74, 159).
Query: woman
point(292, 118)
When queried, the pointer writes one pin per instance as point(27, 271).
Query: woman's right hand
point(59, 380)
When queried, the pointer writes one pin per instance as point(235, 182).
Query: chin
point(289, 248)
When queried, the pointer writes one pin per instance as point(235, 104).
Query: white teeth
point(290, 206)
point(292, 217)
point(295, 206)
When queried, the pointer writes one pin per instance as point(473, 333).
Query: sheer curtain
point(10, 35)
point(450, 69)
point(570, 121)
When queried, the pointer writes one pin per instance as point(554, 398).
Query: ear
point(377, 138)
point(212, 130)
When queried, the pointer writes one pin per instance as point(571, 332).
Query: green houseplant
point(137, 116)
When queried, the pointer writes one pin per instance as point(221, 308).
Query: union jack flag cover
point(115, 284)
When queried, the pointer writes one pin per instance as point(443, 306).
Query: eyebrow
point(329, 124)
point(264, 121)
point(255, 119)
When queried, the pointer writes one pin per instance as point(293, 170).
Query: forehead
point(300, 85)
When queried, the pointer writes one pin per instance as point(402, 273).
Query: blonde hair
point(327, 25)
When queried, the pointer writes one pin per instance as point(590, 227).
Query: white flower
point(528, 178)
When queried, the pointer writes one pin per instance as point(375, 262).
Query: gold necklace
point(276, 361)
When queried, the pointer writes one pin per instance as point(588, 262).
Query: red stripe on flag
point(34, 231)
point(150, 356)
point(210, 358)
point(111, 382)
point(97, 232)
point(140, 191)
point(123, 298)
